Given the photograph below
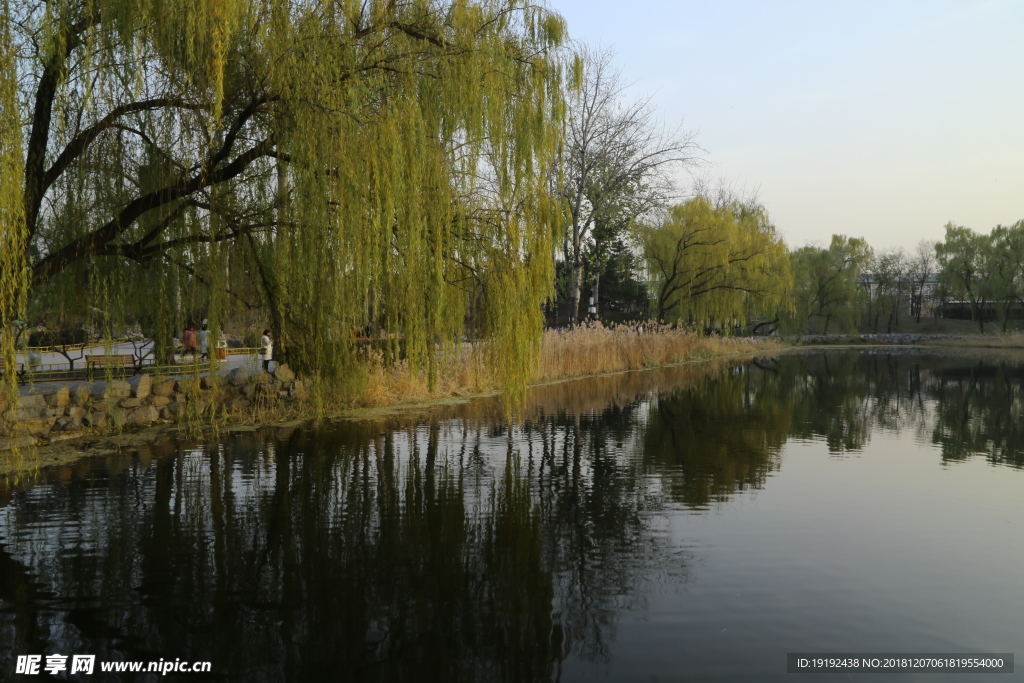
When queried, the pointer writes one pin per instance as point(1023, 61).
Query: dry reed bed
point(580, 352)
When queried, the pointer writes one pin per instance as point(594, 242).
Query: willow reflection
point(450, 542)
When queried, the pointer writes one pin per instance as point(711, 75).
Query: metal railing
point(55, 372)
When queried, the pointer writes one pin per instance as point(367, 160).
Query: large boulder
point(212, 382)
point(283, 373)
point(238, 377)
point(164, 386)
point(31, 401)
point(58, 398)
point(37, 427)
point(23, 414)
point(143, 415)
point(141, 385)
point(80, 396)
point(119, 387)
point(67, 424)
point(113, 389)
point(175, 410)
point(116, 417)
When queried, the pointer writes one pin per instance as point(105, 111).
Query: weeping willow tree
point(716, 263)
point(12, 214)
point(327, 164)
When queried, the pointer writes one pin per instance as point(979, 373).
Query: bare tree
point(617, 158)
point(922, 268)
point(888, 282)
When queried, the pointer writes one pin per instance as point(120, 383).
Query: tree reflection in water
point(446, 546)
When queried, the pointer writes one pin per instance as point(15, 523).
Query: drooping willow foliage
point(318, 165)
point(12, 215)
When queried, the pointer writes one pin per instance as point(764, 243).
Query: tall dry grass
point(579, 352)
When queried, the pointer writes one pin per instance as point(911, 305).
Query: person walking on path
point(204, 345)
point(266, 350)
point(188, 340)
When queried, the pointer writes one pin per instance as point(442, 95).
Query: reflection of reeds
point(586, 396)
point(580, 352)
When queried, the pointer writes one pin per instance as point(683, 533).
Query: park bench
point(110, 361)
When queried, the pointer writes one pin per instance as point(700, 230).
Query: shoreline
point(68, 450)
point(71, 449)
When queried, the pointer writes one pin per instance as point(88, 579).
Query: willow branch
point(94, 243)
point(81, 142)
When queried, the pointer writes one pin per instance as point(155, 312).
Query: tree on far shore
point(711, 264)
point(615, 163)
point(827, 282)
point(964, 258)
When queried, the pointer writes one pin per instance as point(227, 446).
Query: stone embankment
point(60, 412)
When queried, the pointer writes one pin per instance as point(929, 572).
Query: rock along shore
point(59, 412)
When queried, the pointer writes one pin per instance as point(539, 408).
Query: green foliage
point(60, 337)
point(711, 264)
point(1006, 264)
point(13, 281)
point(964, 260)
point(827, 283)
point(331, 164)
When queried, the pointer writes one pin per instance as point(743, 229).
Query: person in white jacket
point(266, 350)
point(204, 343)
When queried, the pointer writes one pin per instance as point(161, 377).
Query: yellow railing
point(57, 348)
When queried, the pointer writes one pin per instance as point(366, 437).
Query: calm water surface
point(689, 524)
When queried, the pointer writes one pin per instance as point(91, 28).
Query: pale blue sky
point(881, 120)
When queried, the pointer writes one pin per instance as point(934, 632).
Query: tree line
point(969, 274)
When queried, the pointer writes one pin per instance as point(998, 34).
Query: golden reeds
point(578, 352)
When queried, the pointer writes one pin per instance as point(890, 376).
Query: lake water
point(688, 524)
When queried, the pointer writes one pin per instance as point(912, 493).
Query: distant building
point(918, 295)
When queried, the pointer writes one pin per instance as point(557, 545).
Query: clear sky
point(882, 120)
